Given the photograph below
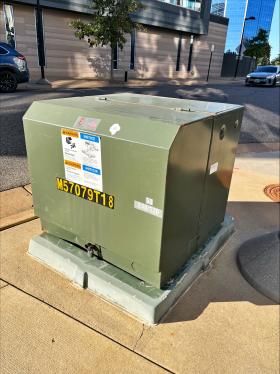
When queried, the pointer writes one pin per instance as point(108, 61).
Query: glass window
point(3, 51)
point(9, 25)
point(262, 10)
point(190, 4)
point(190, 53)
point(179, 53)
point(174, 2)
point(267, 69)
point(132, 50)
point(115, 57)
point(218, 7)
point(236, 15)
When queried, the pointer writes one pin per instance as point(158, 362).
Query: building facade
point(218, 8)
point(176, 42)
point(263, 11)
point(236, 12)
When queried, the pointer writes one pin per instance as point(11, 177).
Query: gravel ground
point(260, 124)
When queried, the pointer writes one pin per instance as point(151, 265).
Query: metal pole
point(42, 72)
point(190, 53)
point(210, 61)
point(40, 43)
point(39, 38)
point(179, 52)
point(209, 66)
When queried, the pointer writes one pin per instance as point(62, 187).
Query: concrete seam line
point(139, 338)
point(89, 327)
point(30, 193)
point(20, 222)
point(5, 285)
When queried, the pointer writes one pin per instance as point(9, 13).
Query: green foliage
point(259, 47)
point(276, 60)
point(110, 23)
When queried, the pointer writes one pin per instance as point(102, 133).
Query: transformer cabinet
point(140, 181)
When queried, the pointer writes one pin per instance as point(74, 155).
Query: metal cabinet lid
point(134, 122)
point(169, 102)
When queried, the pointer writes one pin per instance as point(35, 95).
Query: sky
point(274, 32)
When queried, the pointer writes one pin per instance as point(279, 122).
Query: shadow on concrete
point(258, 260)
point(223, 282)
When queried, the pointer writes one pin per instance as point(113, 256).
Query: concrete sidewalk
point(221, 325)
point(16, 207)
point(97, 83)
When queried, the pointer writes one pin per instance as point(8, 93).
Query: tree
point(276, 60)
point(259, 47)
point(110, 23)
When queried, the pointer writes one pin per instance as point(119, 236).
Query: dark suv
point(13, 68)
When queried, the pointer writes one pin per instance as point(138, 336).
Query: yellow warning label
point(73, 134)
point(73, 164)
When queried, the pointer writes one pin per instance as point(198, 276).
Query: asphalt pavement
point(260, 124)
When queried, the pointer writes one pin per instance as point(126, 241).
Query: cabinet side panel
point(184, 188)
point(226, 132)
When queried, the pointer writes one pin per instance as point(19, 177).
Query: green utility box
point(140, 181)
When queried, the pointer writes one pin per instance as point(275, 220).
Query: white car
point(264, 76)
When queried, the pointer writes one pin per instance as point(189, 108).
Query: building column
point(41, 43)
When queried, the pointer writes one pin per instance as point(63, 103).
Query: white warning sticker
point(148, 209)
point(82, 158)
point(214, 168)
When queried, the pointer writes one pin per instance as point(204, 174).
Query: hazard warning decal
point(82, 158)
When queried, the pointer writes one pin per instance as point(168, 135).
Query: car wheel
point(8, 82)
point(274, 82)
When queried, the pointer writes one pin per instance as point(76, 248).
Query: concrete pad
point(38, 339)
point(252, 173)
point(20, 269)
point(142, 300)
point(266, 163)
point(249, 187)
point(221, 325)
point(16, 207)
point(28, 188)
point(258, 260)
